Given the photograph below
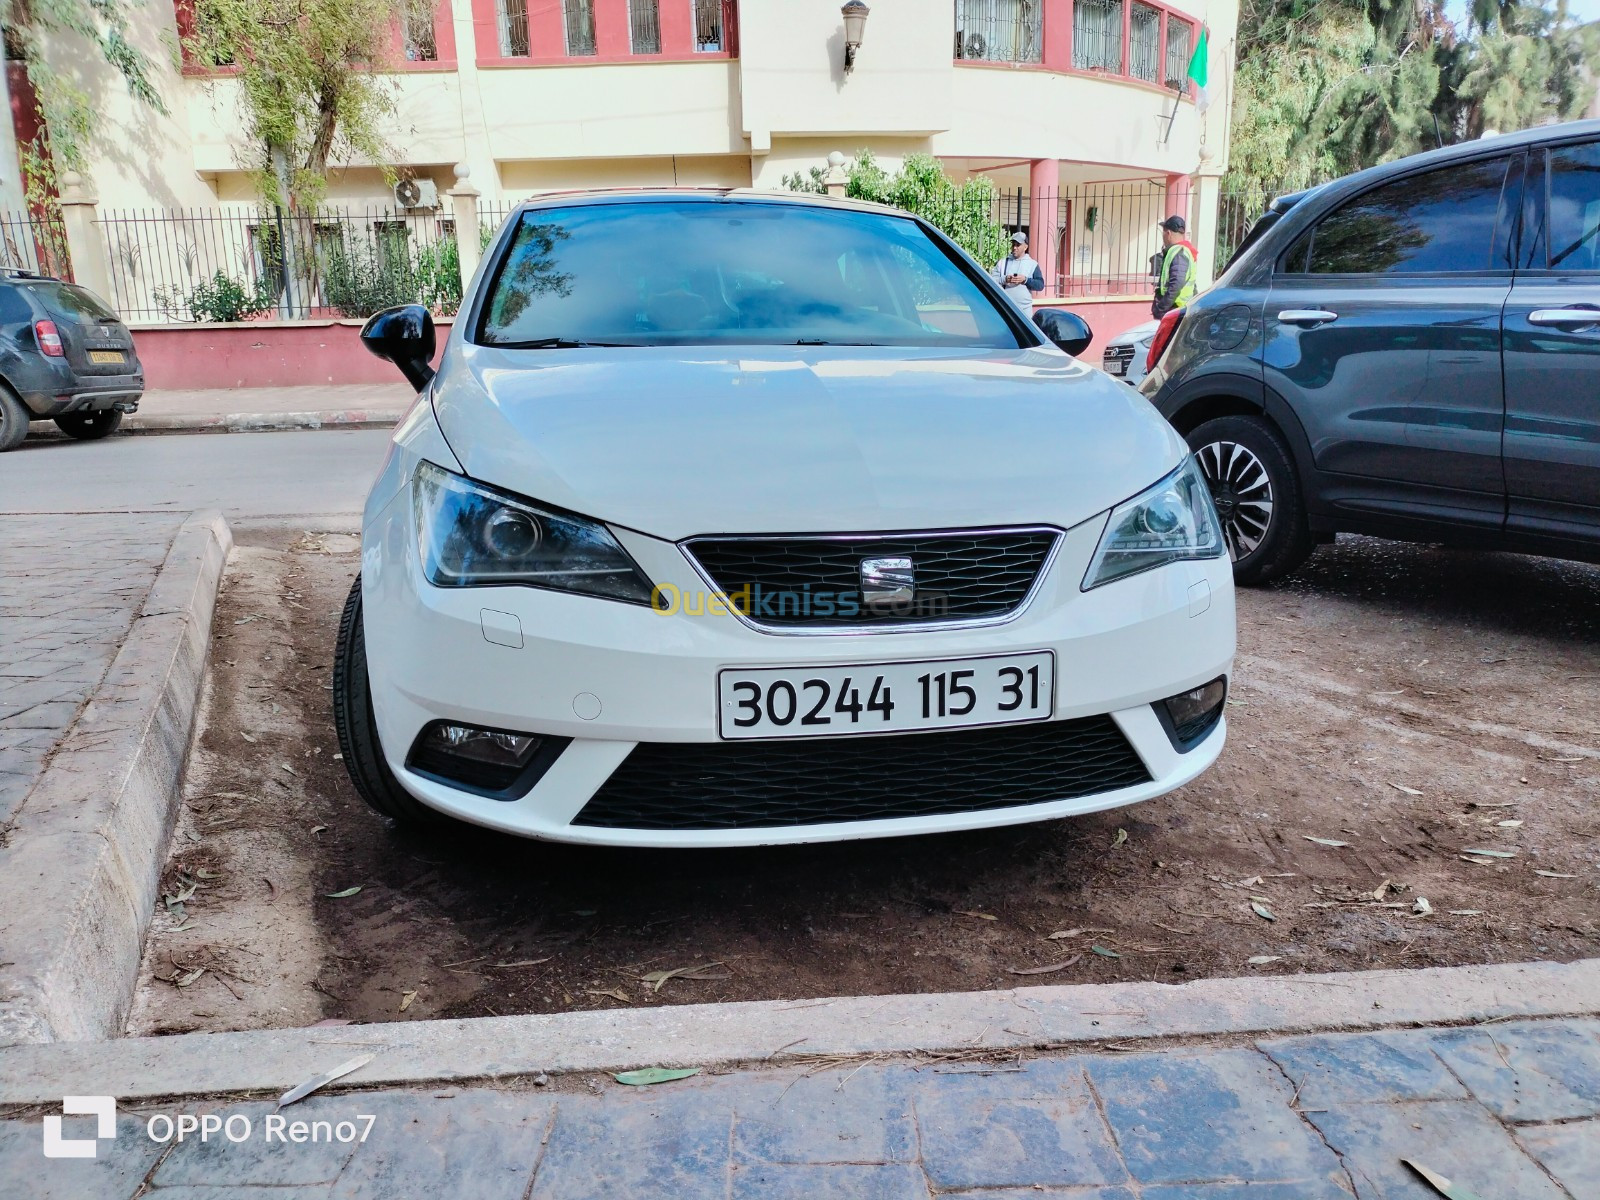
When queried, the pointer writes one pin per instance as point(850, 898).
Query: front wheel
point(90, 426)
point(357, 727)
point(1257, 493)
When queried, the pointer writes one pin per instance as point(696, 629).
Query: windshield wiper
point(554, 343)
point(826, 342)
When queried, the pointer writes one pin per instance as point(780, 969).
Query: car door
point(1383, 334)
point(1552, 351)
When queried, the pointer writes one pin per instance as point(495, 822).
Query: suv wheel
point(358, 729)
point(13, 419)
point(1257, 493)
point(90, 426)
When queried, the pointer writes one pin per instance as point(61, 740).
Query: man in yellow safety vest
point(1175, 276)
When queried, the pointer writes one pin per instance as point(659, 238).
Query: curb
point(80, 866)
point(777, 1031)
point(352, 418)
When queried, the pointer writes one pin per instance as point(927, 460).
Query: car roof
point(657, 195)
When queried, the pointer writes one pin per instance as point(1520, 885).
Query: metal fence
point(1106, 233)
point(31, 242)
point(229, 264)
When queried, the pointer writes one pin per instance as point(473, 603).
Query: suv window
point(68, 299)
point(1574, 218)
point(14, 306)
point(1438, 221)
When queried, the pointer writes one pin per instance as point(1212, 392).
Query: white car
point(732, 519)
point(1126, 354)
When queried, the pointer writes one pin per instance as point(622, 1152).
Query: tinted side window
point(14, 307)
point(1574, 215)
point(1440, 220)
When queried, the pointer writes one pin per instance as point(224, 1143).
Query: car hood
point(1139, 333)
point(682, 441)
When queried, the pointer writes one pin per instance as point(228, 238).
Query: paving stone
point(1358, 1068)
point(279, 1163)
point(1570, 1152)
point(846, 1116)
point(1045, 1193)
point(670, 1144)
point(1459, 1139)
point(115, 1173)
point(241, 1192)
point(1528, 1070)
point(792, 1181)
point(1220, 1116)
point(1014, 1129)
point(477, 1143)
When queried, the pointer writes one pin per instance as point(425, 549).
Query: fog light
point(483, 760)
point(1189, 716)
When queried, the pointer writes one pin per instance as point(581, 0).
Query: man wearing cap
point(1019, 274)
point(1175, 274)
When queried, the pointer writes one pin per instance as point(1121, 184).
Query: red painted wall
point(265, 354)
point(1106, 318)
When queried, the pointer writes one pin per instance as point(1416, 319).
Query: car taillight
point(1164, 332)
point(49, 338)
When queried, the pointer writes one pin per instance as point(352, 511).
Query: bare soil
point(1414, 703)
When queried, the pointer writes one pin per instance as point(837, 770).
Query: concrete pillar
point(1044, 203)
point(1204, 226)
point(1178, 193)
point(837, 179)
point(85, 242)
point(464, 207)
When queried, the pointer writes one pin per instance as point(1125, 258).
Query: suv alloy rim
point(1242, 491)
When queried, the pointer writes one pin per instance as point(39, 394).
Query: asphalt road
point(287, 478)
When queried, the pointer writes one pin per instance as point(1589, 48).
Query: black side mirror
point(1066, 329)
point(405, 337)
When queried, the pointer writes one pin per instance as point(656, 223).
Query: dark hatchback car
point(64, 356)
point(1411, 352)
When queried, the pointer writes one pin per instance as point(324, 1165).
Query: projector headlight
point(1172, 521)
point(474, 536)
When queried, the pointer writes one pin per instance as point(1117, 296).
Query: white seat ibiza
point(732, 518)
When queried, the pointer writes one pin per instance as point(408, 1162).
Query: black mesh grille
point(813, 781)
point(959, 576)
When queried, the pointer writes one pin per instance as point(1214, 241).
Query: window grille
point(1097, 35)
point(1000, 30)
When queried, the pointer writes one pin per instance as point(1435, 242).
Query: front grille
point(816, 781)
point(1117, 356)
point(816, 581)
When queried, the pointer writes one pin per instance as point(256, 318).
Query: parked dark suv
point(64, 356)
point(1411, 352)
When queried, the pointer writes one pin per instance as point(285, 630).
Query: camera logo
point(104, 1108)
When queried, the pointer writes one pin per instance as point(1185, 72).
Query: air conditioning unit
point(416, 193)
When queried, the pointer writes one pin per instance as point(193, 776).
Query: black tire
point(90, 426)
point(1257, 491)
point(358, 730)
point(14, 418)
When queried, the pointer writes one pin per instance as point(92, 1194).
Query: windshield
point(714, 272)
point(68, 299)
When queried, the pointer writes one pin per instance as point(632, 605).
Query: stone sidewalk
point(248, 410)
point(1507, 1111)
point(68, 594)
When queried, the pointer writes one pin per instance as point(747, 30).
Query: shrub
point(221, 298)
point(359, 280)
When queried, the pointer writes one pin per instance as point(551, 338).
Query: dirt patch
point(1413, 703)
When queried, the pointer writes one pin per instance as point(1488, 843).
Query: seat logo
point(888, 582)
point(104, 1108)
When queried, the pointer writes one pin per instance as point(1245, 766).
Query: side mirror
point(405, 337)
point(1066, 329)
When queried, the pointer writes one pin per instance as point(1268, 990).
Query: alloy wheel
point(1242, 492)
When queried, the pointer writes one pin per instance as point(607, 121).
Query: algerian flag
point(1197, 70)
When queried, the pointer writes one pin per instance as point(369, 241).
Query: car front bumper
point(610, 676)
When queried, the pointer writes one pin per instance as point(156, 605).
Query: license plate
point(951, 693)
point(106, 356)
point(1116, 367)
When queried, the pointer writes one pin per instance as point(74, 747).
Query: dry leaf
point(1122, 836)
point(1322, 841)
point(301, 1091)
point(982, 916)
point(1554, 875)
point(699, 971)
point(526, 962)
point(1421, 907)
point(246, 736)
point(1509, 824)
point(1046, 970)
point(349, 891)
point(405, 999)
point(615, 993)
point(1410, 791)
point(1466, 912)
point(1104, 953)
point(1262, 911)
point(1260, 959)
point(189, 977)
point(1491, 853)
point(652, 1075)
point(1072, 933)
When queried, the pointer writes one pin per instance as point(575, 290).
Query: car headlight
point(1172, 521)
point(474, 536)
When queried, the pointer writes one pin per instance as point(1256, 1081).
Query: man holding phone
point(1019, 274)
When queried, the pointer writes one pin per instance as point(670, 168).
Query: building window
point(579, 18)
point(1180, 44)
point(1097, 35)
point(709, 35)
point(1144, 42)
point(1000, 30)
point(416, 24)
point(513, 21)
point(644, 26)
